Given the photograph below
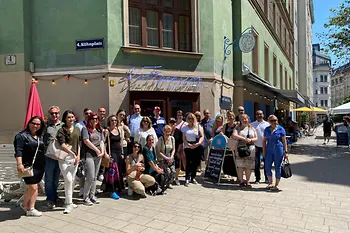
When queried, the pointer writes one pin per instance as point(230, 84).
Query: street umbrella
point(319, 110)
point(303, 109)
point(34, 105)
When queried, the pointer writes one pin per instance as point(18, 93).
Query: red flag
point(34, 105)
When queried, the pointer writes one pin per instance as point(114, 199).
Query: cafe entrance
point(169, 102)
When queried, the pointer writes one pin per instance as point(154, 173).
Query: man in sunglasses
point(260, 126)
point(82, 124)
point(52, 169)
point(240, 112)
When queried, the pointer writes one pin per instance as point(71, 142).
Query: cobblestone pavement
point(315, 199)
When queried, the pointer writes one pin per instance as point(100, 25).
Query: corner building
point(112, 54)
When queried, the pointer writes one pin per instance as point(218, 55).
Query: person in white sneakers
point(69, 139)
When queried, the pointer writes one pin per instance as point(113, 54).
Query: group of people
point(148, 153)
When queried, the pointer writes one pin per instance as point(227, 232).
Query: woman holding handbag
point(69, 138)
point(30, 157)
point(94, 149)
point(245, 136)
point(113, 181)
point(274, 150)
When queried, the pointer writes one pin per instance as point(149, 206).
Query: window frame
point(175, 11)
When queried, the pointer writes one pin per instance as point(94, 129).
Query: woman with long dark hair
point(69, 139)
point(114, 138)
point(94, 149)
point(29, 149)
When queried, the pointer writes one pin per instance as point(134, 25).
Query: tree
point(337, 38)
point(345, 100)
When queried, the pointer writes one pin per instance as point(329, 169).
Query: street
point(315, 199)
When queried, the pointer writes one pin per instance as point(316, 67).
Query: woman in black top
point(26, 143)
point(115, 136)
point(177, 134)
point(230, 125)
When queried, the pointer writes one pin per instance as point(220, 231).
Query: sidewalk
point(315, 199)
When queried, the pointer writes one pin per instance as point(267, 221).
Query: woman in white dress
point(145, 130)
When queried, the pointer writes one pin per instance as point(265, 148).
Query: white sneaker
point(101, 177)
point(130, 191)
point(68, 209)
point(34, 213)
point(75, 206)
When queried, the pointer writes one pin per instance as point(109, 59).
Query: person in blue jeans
point(274, 150)
point(52, 169)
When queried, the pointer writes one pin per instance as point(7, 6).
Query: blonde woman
point(165, 155)
point(245, 136)
point(218, 126)
point(274, 150)
point(145, 130)
point(230, 125)
point(193, 137)
point(198, 116)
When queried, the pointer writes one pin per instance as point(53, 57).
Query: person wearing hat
point(158, 122)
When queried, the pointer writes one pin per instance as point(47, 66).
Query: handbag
point(105, 161)
point(286, 170)
point(28, 171)
point(244, 151)
point(81, 169)
point(54, 150)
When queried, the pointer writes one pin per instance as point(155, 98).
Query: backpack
point(112, 173)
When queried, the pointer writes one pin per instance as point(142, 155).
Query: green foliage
point(337, 38)
point(346, 100)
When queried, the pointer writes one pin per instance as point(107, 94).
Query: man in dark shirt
point(158, 122)
point(327, 129)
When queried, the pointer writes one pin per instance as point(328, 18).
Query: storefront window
point(185, 106)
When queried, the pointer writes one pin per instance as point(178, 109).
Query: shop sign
point(155, 81)
point(89, 44)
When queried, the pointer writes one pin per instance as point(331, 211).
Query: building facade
point(305, 13)
point(321, 78)
point(340, 84)
point(264, 78)
point(112, 54)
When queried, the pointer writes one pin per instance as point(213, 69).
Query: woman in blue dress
point(274, 150)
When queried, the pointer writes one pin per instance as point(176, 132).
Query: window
point(322, 103)
point(321, 78)
point(332, 82)
point(267, 62)
point(316, 104)
point(164, 24)
point(266, 6)
point(321, 90)
point(274, 15)
point(316, 92)
point(281, 76)
point(255, 54)
point(325, 78)
point(326, 103)
point(316, 80)
point(325, 90)
point(285, 81)
point(275, 70)
point(290, 83)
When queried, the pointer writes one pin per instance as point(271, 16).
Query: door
point(147, 107)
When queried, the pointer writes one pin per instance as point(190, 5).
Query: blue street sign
point(89, 44)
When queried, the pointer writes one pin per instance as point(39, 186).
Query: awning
point(291, 95)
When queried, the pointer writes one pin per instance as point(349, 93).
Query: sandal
point(275, 188)
point(269, 187)
point(242, 184)
point(248, 185)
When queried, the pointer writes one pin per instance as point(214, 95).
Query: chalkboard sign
point(342, 139)
point(214, 165)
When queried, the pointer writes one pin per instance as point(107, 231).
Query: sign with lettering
point(89, 44)
point(155, 81)
point(215, 161)
point(225, 103)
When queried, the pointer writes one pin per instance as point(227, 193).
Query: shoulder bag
point(105, 161)
point(28, 171)
point(244, 151)
point(54, 150)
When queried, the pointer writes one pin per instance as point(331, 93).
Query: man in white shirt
point(260, 126)
point(134, 121)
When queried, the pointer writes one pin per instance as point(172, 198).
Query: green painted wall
point(57, 24)
point(250, 18)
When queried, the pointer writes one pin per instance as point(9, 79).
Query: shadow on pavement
point(12, 213)
point(330, 164)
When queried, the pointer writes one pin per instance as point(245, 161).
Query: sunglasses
point(145, 121)
point(114, 120)
point(191, 118)
point(54, 113)
point(259, 114)
point(36, 124)
point(87, 113)
point(95, 119)
point(136, 146)
point(241, 110)
point(273, 120)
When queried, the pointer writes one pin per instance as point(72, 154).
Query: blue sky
point(322, 13)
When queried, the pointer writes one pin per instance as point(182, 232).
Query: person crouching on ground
point(137, 181)
point(274, 150)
